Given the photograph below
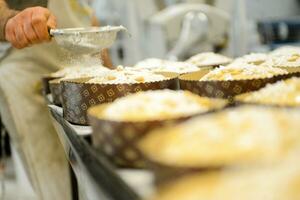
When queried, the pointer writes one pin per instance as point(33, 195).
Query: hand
point(30, 26)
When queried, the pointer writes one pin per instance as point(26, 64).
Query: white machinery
point(176, 31)
point(183, 30)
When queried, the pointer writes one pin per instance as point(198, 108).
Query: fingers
point(29, 27)
point(51, 23)
point(39, 23)
point(9, 33)
point(30, 33)
point(21, 37)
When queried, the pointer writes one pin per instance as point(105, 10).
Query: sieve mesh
point(88, 40)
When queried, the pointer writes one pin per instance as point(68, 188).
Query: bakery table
point(94, 177)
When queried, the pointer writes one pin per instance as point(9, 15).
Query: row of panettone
point(197, 150)
point(200, 147)
point(79, 88)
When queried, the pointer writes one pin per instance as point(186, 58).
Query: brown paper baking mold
point(293, 72)
point(46, 83)
point(226, 89)
point(165, 173)
point(119, 139)
point(78, 96)
point(56, 91)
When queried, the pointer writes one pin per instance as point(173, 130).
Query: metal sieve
point(86, 40)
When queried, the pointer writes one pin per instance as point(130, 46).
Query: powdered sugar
point(281, 93)
point(86, 40)
point(127, 76)
point(156, 105)
point(242, 71)
point(158, 65)
point(209, 59)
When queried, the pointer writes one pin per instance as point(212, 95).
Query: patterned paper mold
point(70, 72)
point(78, 95)
point(225, 89)
point(55, 89)
point(56, 75)
point(46, 83)
point(118, 136)
point(118, 139)
point(56, 84)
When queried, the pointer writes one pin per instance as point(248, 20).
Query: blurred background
point(177, 29)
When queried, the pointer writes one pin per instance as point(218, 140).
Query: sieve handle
point(50, 31)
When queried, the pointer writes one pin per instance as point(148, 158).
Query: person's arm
point(26, 27)
point(6, 14)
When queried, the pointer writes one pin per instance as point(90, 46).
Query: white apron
point(24, 112)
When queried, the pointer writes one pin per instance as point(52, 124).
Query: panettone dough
point(280, 181)
point(158, 65)
point(240, 135)
point(285, 93)
point(126, 75)
point(285, 50)
point(209, 59)
point(285, 60)
point(243, 71)
point(80, 72)
point(252, 58)
point(158, 105)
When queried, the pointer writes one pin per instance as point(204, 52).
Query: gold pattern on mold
point(237, 89)
point(101, 98)
point(86, 93)
point(92, 102)
point(129, 133)
point(110, 92)
point(94, 89)
point(131, 154)
point(84, 106)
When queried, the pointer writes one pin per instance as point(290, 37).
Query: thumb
point(51, 22)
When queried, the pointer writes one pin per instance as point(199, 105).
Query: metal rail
point(94, 167)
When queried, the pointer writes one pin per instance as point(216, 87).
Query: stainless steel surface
point(97, 178)
point(86, 40)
